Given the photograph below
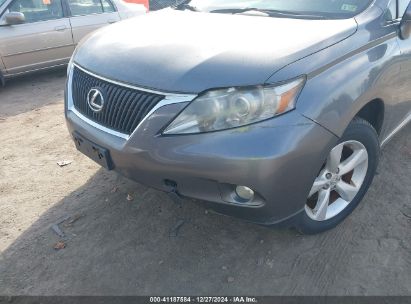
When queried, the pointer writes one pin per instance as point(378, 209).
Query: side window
point(88, 7)
point(391, 13)
point(37, 10)
point(402, 6)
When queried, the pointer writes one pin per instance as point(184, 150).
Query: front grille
point(124, 108)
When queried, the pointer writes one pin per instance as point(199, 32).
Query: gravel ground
point(120, 237)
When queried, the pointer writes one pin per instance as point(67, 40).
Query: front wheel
point(343, 179)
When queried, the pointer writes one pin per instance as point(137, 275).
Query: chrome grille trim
point(170, 98)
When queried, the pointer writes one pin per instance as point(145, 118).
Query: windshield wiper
point(269, 12)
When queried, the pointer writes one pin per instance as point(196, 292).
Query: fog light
point(244, 193)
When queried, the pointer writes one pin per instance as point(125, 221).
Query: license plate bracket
point(97, 153)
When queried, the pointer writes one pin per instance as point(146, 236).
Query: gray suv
point(274, 111)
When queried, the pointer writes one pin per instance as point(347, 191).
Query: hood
point(189, 52)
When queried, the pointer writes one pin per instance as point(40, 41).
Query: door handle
point(112, 21)
point(60, 28)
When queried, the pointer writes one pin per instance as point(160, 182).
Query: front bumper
point(278, 158)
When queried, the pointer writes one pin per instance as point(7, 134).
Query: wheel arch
point(374, 113)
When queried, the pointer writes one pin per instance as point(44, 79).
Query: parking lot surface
point(121, 238)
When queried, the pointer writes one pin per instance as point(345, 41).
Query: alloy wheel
point(338, 182)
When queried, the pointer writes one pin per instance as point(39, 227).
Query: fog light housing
point(244, 193)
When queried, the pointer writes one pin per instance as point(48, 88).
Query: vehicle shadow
point(120, 246)
point(148, 245)
point(25, 93)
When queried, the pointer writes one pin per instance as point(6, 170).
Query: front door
point(402, 110)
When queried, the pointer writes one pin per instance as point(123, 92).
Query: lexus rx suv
point(270, 110)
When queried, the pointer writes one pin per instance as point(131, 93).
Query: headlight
point(234, 107)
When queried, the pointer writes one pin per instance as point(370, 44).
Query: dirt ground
point(121, 246)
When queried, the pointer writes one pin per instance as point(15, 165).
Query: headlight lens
point(233, 107)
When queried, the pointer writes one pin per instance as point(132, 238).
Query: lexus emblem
point(95, 100)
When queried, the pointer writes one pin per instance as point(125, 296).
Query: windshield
point(297, 8)
point(1, 2)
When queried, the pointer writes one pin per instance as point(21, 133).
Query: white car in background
point(40, 34)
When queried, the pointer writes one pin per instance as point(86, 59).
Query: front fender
point(343, 78)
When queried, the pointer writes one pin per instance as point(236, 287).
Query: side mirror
point(13, 18)
point(405, 25)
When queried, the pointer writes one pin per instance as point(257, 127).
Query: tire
point(358, 135)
